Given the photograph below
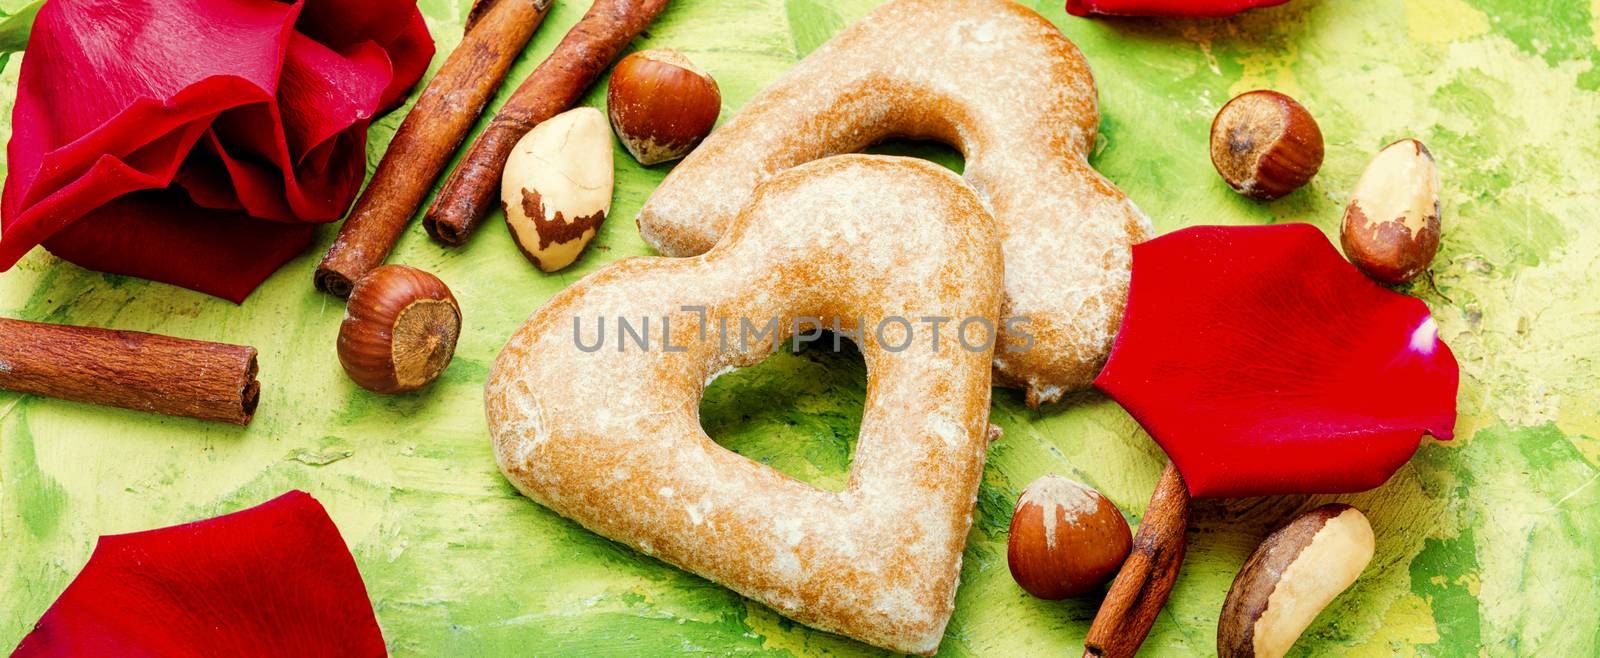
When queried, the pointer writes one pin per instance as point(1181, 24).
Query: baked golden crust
point(1007, 89)
point(611, 438)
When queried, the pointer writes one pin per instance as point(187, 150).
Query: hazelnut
point(1066, 538)
point(399, 331)
point(1291, 577)
point(661, 104)
point(1265, 144)
point(556, 189)
point(1391, 226)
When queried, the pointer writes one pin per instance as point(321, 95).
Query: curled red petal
point(272, 580)
point(259, 107)
point(411, 51)
point(1264, 363)
point(395, 25)
point(1167, 8)
point(218, 252)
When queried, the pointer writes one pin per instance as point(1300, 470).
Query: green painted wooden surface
point(1486, 545)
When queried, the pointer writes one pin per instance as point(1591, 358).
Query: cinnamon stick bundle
point(129, 369)
point(497, 31)
point(1140, 589)
point(591, 46)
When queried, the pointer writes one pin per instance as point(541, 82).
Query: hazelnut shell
point(1066, 539)
point(1265, 144)
point(399, 331)
point(661, 105)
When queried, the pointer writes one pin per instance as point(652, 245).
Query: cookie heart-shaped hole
point(798, 412)
point(939, 153)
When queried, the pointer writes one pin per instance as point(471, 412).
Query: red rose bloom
point(196, 141)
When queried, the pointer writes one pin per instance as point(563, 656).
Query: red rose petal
point(1169, 8)
point(396, 25)
point(411, 51)
point(217, 252)
point(321, 92)
point(1264, 363)
point(272, 580)
point(254, 106)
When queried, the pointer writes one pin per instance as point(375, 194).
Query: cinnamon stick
point(497, 32)
point(479, 9)
point(129, 369)
point(591, 46)
point(1141, 587)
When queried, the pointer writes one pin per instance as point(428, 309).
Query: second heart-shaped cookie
point(603, 426)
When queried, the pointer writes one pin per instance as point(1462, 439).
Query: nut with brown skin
point(1391, 226)
point(1265, 144)
point(399, 331)
point(1066, 538)
point(556, 189)
point(661, 104)
point(1291, 577)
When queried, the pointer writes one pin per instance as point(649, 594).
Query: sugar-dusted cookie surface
point(610, 436)
point(1006, 88)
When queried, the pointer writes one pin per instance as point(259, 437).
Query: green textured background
point(1487, 545)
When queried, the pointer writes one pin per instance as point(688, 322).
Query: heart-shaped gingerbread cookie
point(1007, 89)
point(602, 426)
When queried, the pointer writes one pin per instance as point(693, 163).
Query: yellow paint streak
point(1594, 21)
point(22, 281)
point(1578, 419)
point(1589, 447)
point(1407, 623)
point(1267, 69)
point(1444, 21)
point(1524, 372)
